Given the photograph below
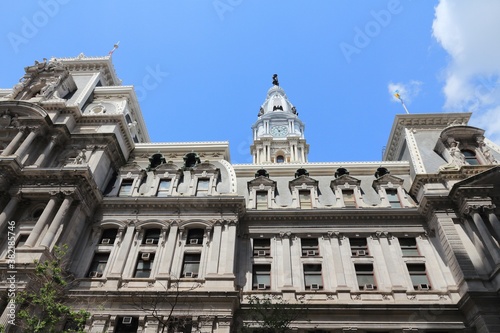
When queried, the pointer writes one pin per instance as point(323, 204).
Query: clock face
point(279, 131)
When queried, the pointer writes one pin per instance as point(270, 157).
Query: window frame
point(145, 268)
point(417, 274)
point(361, 246)
point(311, 272)
point(264, 246)
point(164, 192)
point(362, 274)
point(195, 259)
point(309, 244)
point(265, 272)
point(409, 250)
point(96, 264)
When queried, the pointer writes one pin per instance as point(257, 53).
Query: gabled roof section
point(419, 121)
point(261, 180)
point(386, 179)
point(303, 180)
point(345, 179)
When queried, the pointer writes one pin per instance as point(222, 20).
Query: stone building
point(173, 234)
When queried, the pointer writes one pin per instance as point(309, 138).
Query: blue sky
point(337, 60)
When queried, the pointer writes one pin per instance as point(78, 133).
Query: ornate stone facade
point(173, 237)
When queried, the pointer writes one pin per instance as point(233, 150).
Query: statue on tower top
point(275, 80)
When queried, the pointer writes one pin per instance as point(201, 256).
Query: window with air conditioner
point(126, 324)
point(261, 247)
point(151, 236)
point(261, 277)
point(98, 265)
point(365, 276)
point(309, 247)
point(191, 265)
point(312, 276)
point(108, 236)
point(144, 265)
point(418, 276)
point(195, 236)
point(359, 247)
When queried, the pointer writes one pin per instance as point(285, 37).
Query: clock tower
point(278, 133)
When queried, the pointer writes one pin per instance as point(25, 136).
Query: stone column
point(8, 211)
point(336, 238)
point(485, 234)
point(395, 272)
point(495, 223)
point(123, 252)
point(56, 222)
point(42, 221)
point(13, 144)
point(52, 143)
point(27, 142)
point(287, 259)
point(169, 250)
point(213, 265)
point(230, 247)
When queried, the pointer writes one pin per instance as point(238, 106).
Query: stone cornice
point(420, 121)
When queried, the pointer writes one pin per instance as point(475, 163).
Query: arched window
point(470, 157)
point(280, 159)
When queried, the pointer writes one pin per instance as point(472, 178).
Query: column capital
point(334, 234)
point(489, 208)
point(383, 234)
point(285, 234)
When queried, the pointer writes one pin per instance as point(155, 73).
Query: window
point(125, 324)
point(21, 239)
point(180, 325)
point(98, 265)
point(364, 275)
point(312, 276)
point(163, 188)
point(349, 200)
point(470, 157)
point(409, 247)
point(144, 265)
point(202, 188)
point(280, 159)
point(261, 277)
point(310, 247)
point(305, 199)
point(392, 196)
point(261, 199)
point(108, 236)
point(261, 247)
point(151, 236)
point(359, 247)
point(418, 276)
point(126, 188)
point(191, 265)
point(195, 237)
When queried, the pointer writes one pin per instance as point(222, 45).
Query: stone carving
point(456, 157)
point(486, 152)
point(81, 158)
point(5, 119)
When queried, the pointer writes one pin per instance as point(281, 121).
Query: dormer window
point(261, 191)
point(261, 199)
point(202, 188)
point(391, 192)
point(164, 188)
point(305, 199)
point(393, 198)
point(126, 188)
point(349, 199)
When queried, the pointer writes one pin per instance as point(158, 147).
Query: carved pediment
point(131, 167)
point(386, 180)
point(261, 180)
point(303, 180)
point(345, 179)
point(205, 166)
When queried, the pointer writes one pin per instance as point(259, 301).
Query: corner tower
point(278, 133)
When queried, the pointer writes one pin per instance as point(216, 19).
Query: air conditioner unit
point(261, 253)
point(261, 286)
point(127, 320)
point(361, 253)
point(311, 253)
point(150, 241)
point(424, 286)
point(369, 287)
point(314, 286)
point(193, 241)
point(189, 274)
point(95, 274)
point(146, 256)
point(106, 241)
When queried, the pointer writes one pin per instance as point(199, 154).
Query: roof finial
point(275, 80)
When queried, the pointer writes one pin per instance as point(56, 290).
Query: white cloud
point(468, 31)
point(407, 91)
